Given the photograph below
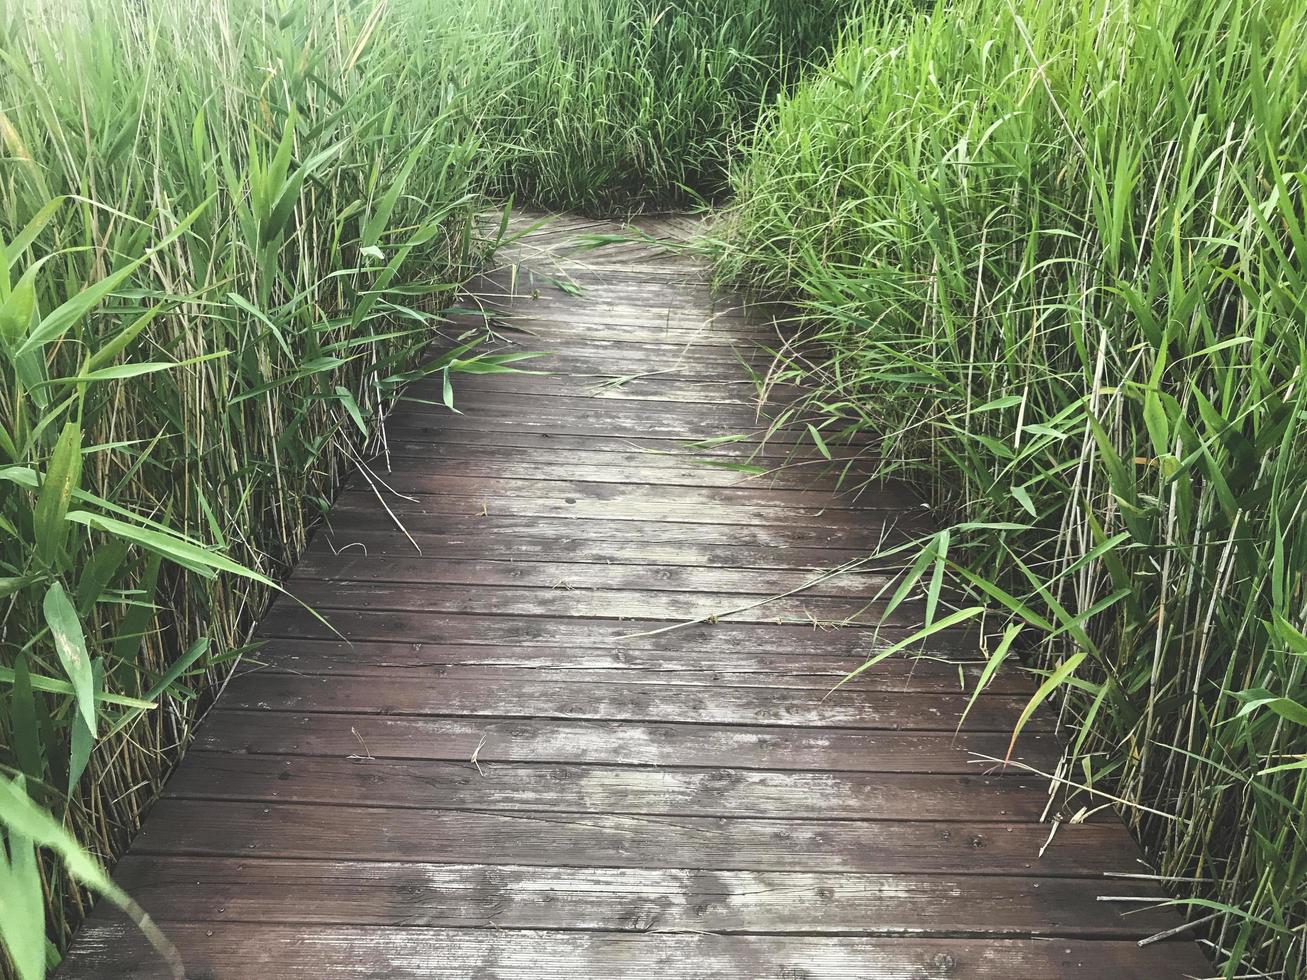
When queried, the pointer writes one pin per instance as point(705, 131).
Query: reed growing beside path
point(222, 238)
point(1054, 255)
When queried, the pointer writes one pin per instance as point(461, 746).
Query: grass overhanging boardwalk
point(521, 765)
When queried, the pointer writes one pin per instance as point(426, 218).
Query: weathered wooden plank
point(561, 600)
point(800, 502)
point(857, 582)
point(543, 519)
point(371, 833)
point(634, 634)
point(678, 275)
point(722, 440)
point(490, 740)
point(639, 304)
point(733, 666)
point(627, 288)
point(605, 421)
point(621, 547)
point(629, 292)
point(630, 284)
point(692, 448)
point(648, 309)
point(651, 390)
point(844, 479)
point(428, 663)
point(696, 332)
point(601, 452)
point(630, 701)
point(410, 462)
point(572, 335)
point(456, 480)
point(607, 789)
point(587, 354)
point(618, 505)
point(332, 544)
point(636, 900)
point(667, 394)
point(456, 954)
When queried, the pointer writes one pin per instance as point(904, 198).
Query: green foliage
point(610, 104)
point(222, 244)
point(1054, 254)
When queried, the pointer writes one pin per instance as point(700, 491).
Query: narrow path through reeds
point(579, 721)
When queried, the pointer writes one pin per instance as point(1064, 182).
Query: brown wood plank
point(408, 459)
point(293, 621)
point(371, 833)
point(647, 306)
point(858, 582)
point(666, 388)
point(456, 954)
point(435, 662)
point(490, 740)
point(568, 335)
point(606, 789)
point(617, 505)
point(941, 670)
point(602, 421)
point(422, 894)
point(594, 456)
point(587, 354)
point(566, 545)
point(630, 701)
point(336, 580)
point(692, 447)
point(593, 603)
point(544, 519)
point(872, 501)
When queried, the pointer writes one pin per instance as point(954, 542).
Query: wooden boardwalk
point(507, 772)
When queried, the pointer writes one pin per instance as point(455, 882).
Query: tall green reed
point(223, 243)
point(1054, 256)
point(621, 104)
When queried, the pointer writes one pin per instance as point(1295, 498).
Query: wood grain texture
point(724, 705)
point(631, 899)
point(581, 706)
point(429, 662)
point(639, 790)
point(238, 829)
point(497, 739)
point(314, 952)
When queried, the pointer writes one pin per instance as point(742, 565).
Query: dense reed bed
point(609, 105)
point(1054, 255)
point(223, 239)
point(226, 233)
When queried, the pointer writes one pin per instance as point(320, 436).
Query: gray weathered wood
point(235, 829)
point(314, 952)
point(635, 899)
point(631, 701)
point(689, 664)
point(496, 739)
point(606, 788)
